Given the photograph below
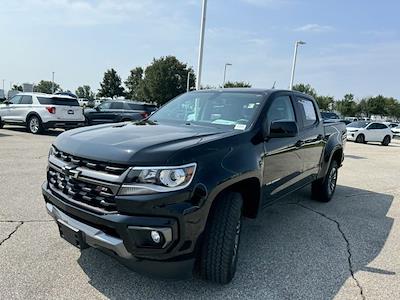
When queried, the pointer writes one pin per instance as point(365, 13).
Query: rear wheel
point(386, 140)
point(1, 124)
point(219, 253)
point(34, 125)
point(360, 139)
point(324, 188)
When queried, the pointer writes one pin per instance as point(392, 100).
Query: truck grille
point(95, 197)
point(90, 164)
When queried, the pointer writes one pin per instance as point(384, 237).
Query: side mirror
point(281, 129)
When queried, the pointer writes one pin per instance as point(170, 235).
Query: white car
point(366, 131)
point(41, 111)
point(396, 131)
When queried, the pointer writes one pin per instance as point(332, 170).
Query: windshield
point(220, 109)
point(358, 124)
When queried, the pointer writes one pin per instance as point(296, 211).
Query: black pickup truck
point(167, 195)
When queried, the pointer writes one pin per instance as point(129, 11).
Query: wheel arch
point(30, 114)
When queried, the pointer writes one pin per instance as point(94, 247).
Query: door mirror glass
point(281, 129)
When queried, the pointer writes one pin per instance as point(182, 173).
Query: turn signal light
point(51, 109)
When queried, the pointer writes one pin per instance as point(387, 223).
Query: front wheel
point(323, 189)
point(34, 125)
point(219, 253)
point(360, 139)
point(386, 141)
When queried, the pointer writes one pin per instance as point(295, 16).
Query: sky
point(352, 46)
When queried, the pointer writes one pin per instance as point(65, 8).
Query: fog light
point(155, 236)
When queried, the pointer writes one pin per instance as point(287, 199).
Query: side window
point(26, 100)
point(307, 109)
point(16, 99)
point(281, 109)
point(105, 105)
point(381, 126)
point(117, 105)
point(373, 126)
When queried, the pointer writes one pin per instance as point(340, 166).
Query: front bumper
point(63, 124)
point(351, 136)
point(113, 235)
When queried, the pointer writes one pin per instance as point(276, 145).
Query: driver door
point(282, 163)
point(11, 113)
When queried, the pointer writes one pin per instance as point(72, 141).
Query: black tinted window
point(117, 105)
point(307, 109)
point(134, 106)
point(26, 100)
point(58, 101)
point(377, 126)
point(281, 109)
point(16, 99)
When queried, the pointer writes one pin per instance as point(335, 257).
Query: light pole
point(52, 83)
point(188, 82)
point(201, 46)
point(296, 46)
point(3, 84)
point(223, 83)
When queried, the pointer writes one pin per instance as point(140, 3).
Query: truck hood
point(140, 143)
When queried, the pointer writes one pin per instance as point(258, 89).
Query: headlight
point(51, 151)
point(150, 180)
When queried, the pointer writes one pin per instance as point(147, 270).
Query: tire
point(34, 125)
point(386, 141)
point(219, 252)
point(323, 189)
point(360, 139)
point(1, 124)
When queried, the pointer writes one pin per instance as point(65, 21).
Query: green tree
point(325, 102)
point(111, 85)
point(306, 89)
point(165, 79)
point(237, 84)
point(377, 105)
point(134, 83)
point(347, 106)
point(45, 86)
point(84, 92)
point(17, 87)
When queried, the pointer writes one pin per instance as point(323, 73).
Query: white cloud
point(316, 28)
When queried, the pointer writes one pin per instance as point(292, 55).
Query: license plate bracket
point(71, 235)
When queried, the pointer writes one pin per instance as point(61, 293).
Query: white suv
point(41, 111)
point(366, 131)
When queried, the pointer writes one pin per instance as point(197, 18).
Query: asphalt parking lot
point(297, 249)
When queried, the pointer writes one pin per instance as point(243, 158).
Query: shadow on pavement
point(51, 132)
point(297, 248)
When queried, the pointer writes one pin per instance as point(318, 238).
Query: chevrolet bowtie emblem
point(70, 172)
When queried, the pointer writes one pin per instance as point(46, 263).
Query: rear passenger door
point(311, 137)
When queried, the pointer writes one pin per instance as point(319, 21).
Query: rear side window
point(26, 100)
point(281, 109)
point(58, 101)
point(133, 106)
point(307, 109)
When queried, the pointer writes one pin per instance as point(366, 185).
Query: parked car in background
point(328, 116)
point(391, 124)
point(113, 111)
point(366, 131)
point(41, 111)
point(396, 131)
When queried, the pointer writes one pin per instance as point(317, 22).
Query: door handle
point(299, 143)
